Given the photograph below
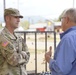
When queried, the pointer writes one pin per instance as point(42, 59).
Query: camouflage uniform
point(11, 60)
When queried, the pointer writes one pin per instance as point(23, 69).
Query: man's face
point(64, 23)
point(14, 21)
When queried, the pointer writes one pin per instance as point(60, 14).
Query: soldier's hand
point(23, 54)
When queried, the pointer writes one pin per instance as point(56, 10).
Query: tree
point(24, 24)
point(1, 26)
point(61, 15)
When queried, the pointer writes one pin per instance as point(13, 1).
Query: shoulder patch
point(4, 44)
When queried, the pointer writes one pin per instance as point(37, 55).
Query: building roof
point(37, 25)
point(57, 23)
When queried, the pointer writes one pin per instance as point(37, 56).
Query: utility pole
point(73, 3)
point(4, 3)
point(18, 4)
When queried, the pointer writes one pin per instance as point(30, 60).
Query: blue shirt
point(64, 62)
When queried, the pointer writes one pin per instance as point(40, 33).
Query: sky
point(45, 8)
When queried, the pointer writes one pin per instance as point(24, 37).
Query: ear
point(67, 19)
point(7, 18)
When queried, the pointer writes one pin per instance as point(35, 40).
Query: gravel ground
point(40, 56)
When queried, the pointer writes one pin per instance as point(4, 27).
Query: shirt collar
point(70, 29)
point(8, 34)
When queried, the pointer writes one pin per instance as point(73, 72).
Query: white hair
point(71, 13)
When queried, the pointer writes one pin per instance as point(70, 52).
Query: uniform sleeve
point(25, 49)
point(10, 54)
point(64, 57)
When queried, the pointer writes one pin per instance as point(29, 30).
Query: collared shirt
point(64, 62)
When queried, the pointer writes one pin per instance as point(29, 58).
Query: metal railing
point(35, 40)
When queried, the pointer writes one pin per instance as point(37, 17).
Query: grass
point(42, 39)
point(39, 51)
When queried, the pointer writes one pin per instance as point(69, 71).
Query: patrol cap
point(13, 12)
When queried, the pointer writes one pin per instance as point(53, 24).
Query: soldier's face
point(14, 21)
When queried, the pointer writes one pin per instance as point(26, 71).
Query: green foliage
point(61, 15)
point(24, 24)
point(56, 20)
point(1, 26)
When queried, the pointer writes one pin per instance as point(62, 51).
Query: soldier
point(14, 54)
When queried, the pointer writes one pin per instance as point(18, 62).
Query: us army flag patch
point(4, 44)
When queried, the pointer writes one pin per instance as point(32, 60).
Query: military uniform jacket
point(11, 60)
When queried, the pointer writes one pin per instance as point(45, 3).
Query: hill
point(31, 19)
point(34, 19)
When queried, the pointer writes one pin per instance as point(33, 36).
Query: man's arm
point(25, 52)
point(10, 54)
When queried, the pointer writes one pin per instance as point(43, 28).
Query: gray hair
point(71, 13)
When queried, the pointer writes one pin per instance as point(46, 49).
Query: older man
point(64, 62)
point(14, 54)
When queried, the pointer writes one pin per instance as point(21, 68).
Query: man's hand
point(48, 55)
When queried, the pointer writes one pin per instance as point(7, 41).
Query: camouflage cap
point(13, 12)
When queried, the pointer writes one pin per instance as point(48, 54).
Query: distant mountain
point(1, 19)
point(31, 19)
point(34, 19)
